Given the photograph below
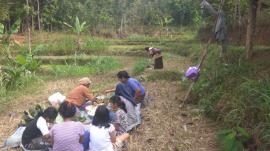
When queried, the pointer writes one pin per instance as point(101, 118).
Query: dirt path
point(165, 126)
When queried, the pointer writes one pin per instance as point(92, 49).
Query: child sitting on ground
point(67, 136)
point(103, 134)
point(121, 121)
point(36, 135)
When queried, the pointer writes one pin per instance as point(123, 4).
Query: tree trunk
point(38, 14)
point(121, 26)
point(32, 22)
point(28, 28)
point(251, 27)
point(51, 28)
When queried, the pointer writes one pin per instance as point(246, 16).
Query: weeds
point(65, 44)
point(165, 75)
point(95, 45)
point(27, 84)
point(140, 66)
point(233, 139)
point(94, 66)
point(235, 95)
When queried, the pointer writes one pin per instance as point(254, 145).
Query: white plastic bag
point(15, 139)
point(56, 99)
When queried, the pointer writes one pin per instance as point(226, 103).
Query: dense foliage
point(114, 14)
point(237, 95)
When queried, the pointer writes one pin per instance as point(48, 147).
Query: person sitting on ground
point(67, 136)
point(119, 107)
point(103, 134)
point(156, 54)
point(36, 135)
point(81, 94)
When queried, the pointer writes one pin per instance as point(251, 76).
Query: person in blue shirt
point(131, 89)
point(136, 90)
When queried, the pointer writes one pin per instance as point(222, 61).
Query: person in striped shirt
point(67, 136)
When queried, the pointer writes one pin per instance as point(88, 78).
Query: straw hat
point(85, 81)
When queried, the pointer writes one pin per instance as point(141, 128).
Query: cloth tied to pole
point(193, 73)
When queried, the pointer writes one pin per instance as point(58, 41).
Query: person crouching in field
point(135, 88)
point(80, 95)
point(132, 90)
point(156, 54)
point(69, 135)
point(103, 134)
point(36, 135)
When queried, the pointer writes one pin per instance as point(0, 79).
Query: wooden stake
point(204, 54)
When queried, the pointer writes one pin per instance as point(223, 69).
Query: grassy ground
point(165, 126)
point(234, 92)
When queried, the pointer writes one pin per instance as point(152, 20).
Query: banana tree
point(167, 21)
point(77, 28)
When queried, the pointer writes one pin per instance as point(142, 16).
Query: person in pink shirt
point(67, 136)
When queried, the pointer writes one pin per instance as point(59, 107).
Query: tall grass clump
point(96, 65)
point(57, 44)
point(140, 66)
point(92, 44)
point(234, 94)
point(26, 84)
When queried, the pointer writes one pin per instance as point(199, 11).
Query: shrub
point(233, 139)
point(15, 68)
point(95, 44)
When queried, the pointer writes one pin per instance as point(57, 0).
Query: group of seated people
point(104, 133)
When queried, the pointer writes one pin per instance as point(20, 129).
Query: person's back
point(80, 94)
point(125, 91)
point(66, 136)
point(30, 132)
point(135, 84)
point(122, 120)
point(100, 139)
point(36, 135)
point(76, 96)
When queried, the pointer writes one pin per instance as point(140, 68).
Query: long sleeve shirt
point(79, 95)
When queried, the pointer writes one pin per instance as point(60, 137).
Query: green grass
point(143, 38)
point(28, 85)
point(140, 66)
point(63, 44)
point(235, 93)
point(165, 75)
point(96, 65)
